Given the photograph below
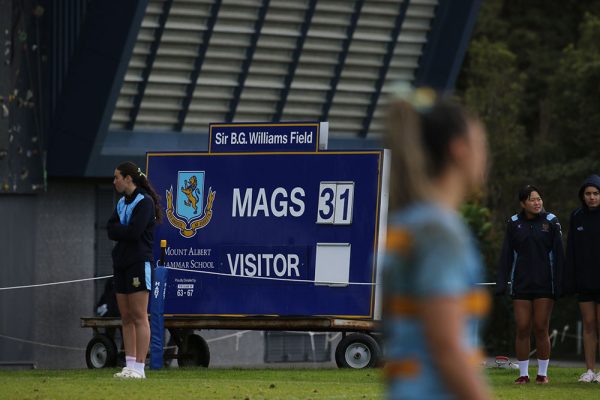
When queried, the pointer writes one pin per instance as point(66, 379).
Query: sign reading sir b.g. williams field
point(293, 234)
point(249, 137)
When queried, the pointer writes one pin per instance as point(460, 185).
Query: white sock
point(524, 368)
point(129, 361)
point(543, 367)
point(139, 367)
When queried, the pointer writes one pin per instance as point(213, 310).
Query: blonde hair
point(409, 182)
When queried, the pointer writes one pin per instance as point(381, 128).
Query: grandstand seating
point(202, 61)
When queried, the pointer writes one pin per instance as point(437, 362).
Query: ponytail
point(408, 177)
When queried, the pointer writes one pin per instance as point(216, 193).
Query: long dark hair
point(128, 168)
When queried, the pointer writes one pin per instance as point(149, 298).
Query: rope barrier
point(55, 283)
point(237, 334)
point(212, 273)
point(273, 279)
point(293, 280)
point(54, 346)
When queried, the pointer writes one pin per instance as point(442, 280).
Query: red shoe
point(522, 380)
point(541, 380)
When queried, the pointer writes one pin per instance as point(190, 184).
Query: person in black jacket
point(132, 227)
point(107, 304)
point(583, 269)
point(532, 260)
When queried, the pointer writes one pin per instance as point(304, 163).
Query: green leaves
point(532, 73)
point(478, 218)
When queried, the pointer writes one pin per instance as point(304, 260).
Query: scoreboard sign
point(289, 234)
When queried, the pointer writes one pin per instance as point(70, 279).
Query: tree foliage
point(532, 73)
point(575, 97)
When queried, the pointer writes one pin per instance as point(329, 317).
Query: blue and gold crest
point(189, 214)
point(190, 194)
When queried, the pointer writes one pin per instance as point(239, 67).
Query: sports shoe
point(597, 378)
point(129, 373)
point(541, 380)
point(588, 376)
point(522, 380)
point(121, 373)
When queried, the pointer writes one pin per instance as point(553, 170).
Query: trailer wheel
point(357, 351)
point(101, 352)
point(193, 352)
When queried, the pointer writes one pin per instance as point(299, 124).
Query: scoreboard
point(286, 230)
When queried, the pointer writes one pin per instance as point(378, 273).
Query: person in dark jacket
point(132, 227)
point(107, 304)
point(532, 260)
point(583, 269)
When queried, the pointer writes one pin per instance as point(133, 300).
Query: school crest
point(189, 211)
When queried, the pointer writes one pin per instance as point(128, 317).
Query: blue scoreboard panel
point(286, 234)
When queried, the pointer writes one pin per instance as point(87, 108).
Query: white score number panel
point(336, 202)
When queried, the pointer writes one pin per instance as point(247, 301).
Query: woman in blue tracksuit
point(532, 260)
point(132, 227)
point(582, 275)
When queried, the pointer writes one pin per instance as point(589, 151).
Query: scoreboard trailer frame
point(236, 211)
point(360, 345)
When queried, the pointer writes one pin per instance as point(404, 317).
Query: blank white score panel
point(336, 202)
point(332, 265)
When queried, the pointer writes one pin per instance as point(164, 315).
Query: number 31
point(335, 203)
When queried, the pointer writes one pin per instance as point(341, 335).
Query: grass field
point(563, 385)
point(255, 384)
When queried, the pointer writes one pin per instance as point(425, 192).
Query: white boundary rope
point(237, 335)
point(295, 280)
point(55, 283)
point(54, 346)
point(213, 273)
point(268, 278)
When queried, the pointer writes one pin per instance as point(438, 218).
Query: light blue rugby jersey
point(125, 210)
point(431, 252)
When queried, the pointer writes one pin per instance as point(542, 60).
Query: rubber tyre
point(193, 352)
point(358, 351)
point(101, 352)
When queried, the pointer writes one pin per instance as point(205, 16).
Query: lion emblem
point(190, 189)
point(185, 203)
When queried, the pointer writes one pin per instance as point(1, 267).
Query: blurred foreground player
point(132, 227)
point(432, 265)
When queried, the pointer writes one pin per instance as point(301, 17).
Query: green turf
point(563, 385)
point(256, 384)
point(193, 384)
